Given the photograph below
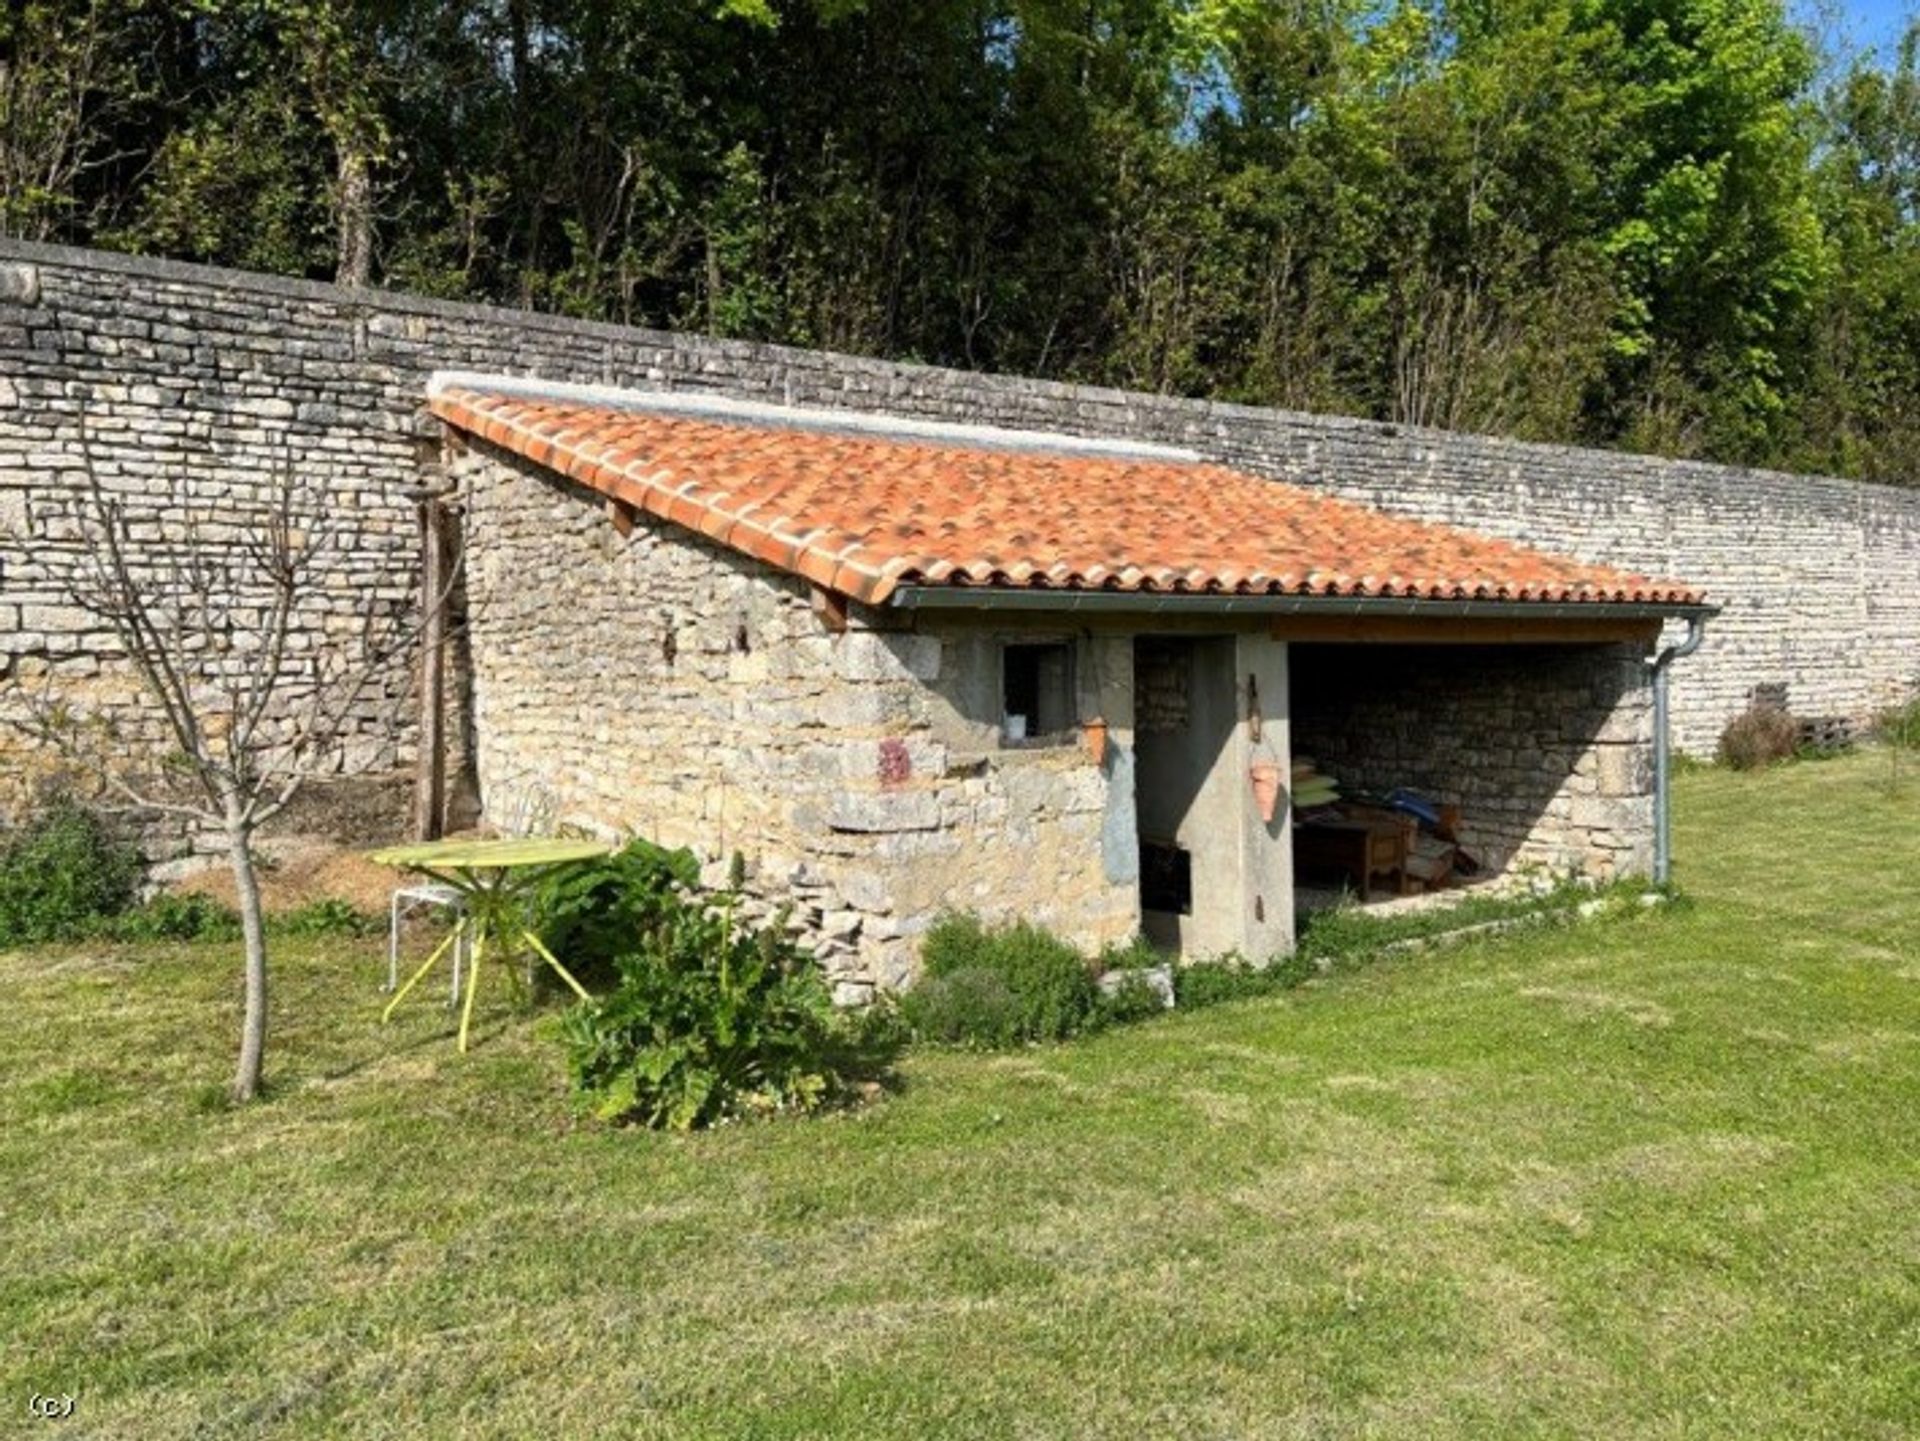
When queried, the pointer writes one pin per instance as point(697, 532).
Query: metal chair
point(423, 893)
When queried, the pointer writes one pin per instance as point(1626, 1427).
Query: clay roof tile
point(867, 511)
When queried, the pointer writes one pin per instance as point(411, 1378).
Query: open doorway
point(1183, 725)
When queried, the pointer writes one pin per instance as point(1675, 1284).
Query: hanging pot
point(1094, 732)
point(1265, 776)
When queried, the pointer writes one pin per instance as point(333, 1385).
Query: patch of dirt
point(300, 870)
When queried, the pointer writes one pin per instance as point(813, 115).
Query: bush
point(1000, 986)
point(329, 916)
point(1759, 736)
point(61, 875)
point(174, 916)
point(971, 1007)
point(592, 915)
point(710, 1020)
point(1134, 999)
point(1900, 726)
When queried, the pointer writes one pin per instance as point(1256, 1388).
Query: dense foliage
point(711, 1019)
point(61, 874)
point(65, 876)
point(593, 913)
point(992, 986)
point(1670, 224)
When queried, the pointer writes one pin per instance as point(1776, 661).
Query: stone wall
point(1545, 749)
point(213, 377)
point(655, 683)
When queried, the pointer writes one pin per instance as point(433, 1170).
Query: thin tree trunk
point(253, 1029)
point(355, 266)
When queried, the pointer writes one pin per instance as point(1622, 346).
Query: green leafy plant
point(329, 916)
point(593, 914)
point(174, 916)
point(1135, 998)
point(712, 1020)
point(1000, 986)
point(1214, 982)
point(61, 874)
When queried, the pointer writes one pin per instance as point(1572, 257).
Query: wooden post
point(430, 776)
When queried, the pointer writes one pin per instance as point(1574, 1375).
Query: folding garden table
point(494, 877)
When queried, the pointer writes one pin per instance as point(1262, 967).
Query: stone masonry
point(206, 378)
point(1545, 749)
point(654, 683)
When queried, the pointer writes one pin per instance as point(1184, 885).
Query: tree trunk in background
point(253, 1029)
point(355, 267)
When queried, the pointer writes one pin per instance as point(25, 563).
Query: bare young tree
point(257, 670)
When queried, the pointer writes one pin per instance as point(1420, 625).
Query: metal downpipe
point(1662, 749)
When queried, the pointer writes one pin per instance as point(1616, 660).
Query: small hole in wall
point(1260, 908)
point(740, 641)
point(669, 647)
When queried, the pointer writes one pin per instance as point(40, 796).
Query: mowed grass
point(1652, 1177)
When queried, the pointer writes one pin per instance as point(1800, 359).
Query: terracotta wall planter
point(1265, 776)
point(1094, 733)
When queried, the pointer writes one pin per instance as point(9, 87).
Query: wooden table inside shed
point(1358, 849)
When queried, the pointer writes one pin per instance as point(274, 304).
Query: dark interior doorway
point(1183, 718)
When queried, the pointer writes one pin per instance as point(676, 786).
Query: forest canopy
point(1669, 225)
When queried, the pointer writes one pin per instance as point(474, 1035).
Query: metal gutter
point(1662, 748)
point(1136, 602)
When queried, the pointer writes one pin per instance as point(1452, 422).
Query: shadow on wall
point(1545, 749)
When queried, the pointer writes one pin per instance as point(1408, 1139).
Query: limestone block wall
point(215, 377)
point(653, 683)
point(1546, 749)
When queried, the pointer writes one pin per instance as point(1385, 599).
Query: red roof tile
point(864, 513)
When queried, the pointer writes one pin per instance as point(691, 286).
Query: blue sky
point(1867, 23)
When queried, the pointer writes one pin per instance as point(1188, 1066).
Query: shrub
point(592, 915)
point(1900, 725)
point(174, 916)
point(329, 916)
point(1000, 986)
point(1759, 736)
point(710, 1020)
point(970, 1007)
point(62, 874)
point(1134, 999)
point(1213, 982)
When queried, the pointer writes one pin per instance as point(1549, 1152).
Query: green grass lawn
point(1646, 1177)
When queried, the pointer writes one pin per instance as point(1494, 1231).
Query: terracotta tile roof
point(863, 513)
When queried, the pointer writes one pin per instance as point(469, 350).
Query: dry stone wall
point(215, 376)
point(654, 683)
point(1546, 750)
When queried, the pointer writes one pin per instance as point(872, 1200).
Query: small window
point(1036, 694)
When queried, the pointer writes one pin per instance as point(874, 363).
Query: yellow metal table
point(494, 878)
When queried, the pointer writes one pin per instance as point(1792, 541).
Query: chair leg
point(393, 944)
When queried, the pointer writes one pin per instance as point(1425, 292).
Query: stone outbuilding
point(901, 667)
